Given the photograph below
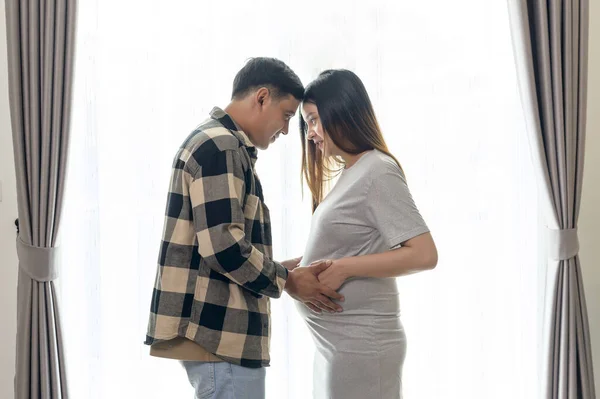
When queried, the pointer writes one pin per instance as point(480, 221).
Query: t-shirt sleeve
point(391, 208)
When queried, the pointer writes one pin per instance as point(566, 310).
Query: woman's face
point(315, 131)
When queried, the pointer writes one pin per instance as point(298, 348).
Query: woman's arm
point(415, 255)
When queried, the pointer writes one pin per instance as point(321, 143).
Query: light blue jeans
point(222, 380)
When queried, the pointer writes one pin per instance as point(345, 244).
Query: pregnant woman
point(369, 227)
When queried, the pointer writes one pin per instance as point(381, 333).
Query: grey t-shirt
point(360, 350)
point(369, 210)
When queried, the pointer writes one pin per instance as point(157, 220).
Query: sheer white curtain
point(442, 81)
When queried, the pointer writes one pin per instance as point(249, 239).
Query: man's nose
point(286, 128)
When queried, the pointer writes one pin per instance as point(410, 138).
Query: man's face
point(273, 119)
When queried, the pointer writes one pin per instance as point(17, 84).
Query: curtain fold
point(40, 42)
point(550, 41)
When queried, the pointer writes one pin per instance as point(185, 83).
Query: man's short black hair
point(267, 72)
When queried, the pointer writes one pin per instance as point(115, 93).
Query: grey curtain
point(550, 40)
point(40, 37)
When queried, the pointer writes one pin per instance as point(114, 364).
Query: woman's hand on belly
point(334, 276)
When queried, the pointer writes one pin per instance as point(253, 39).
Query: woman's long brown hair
point(347, 117)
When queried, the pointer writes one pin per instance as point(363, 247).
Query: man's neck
point(238, 111)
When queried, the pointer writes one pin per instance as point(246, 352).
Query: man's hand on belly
point(304, 286)
point(291, 264)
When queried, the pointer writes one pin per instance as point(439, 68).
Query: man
point(210, 307)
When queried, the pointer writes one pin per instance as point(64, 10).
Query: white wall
point(589, 218)
point(8, 213)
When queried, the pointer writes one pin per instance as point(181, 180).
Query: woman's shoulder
point(380, 163)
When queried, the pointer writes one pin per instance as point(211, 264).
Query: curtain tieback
point(563, 244)
point(40, 263)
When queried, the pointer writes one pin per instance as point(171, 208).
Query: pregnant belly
point(369, 322)
point(370, 296)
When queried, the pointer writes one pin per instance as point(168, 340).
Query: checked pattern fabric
point(215, 270)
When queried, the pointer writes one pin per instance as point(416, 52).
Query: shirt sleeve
point(391, 208)
point(220, 211)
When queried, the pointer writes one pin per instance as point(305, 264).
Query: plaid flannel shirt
point(215, 269)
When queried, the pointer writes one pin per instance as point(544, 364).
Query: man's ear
point(262, 95)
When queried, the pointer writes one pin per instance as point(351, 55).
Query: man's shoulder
point(206, 142)
point(211, 137)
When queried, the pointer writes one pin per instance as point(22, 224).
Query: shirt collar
point(226, 120)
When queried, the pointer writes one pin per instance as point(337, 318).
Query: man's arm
point(217, 194)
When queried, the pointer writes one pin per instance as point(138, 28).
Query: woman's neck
point(351, 159)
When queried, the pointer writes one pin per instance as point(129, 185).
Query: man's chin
point(262, 146)
point(268, 144)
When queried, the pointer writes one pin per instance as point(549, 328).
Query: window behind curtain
point(442, 81)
